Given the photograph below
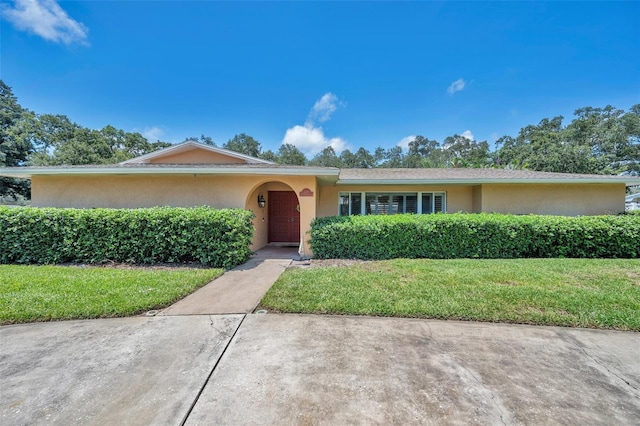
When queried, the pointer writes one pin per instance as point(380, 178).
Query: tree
point(460, 151)
point(379, 155)
point(393, 158)
point(15, 125)
point(424, 152)
point(326, 158)
point(631, 121)
point(610, 135)
point(207, 140)
point(136, 145)
point(269, 155)
point(537, 147)
point(348, 159)
point(244, 144)
point(50, 131)
point(61, 142)
point(598, 140)
point(290, 154)
point(361, 159)
point(86, 147)
point(364, 159)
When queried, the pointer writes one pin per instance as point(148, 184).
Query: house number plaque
point(306, 193)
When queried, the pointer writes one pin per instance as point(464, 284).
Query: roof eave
point(479, 181)
point(26, 173)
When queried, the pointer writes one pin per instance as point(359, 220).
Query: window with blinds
point(351, 203)
point(433, 203)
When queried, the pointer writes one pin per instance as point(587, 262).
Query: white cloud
point(323, 108)
point(456, 86)
point(404, 142)
point(152, 134)
point(467, 134)
point(312, 140)
point(47, 19)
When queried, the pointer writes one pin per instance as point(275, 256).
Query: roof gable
point(192, 152)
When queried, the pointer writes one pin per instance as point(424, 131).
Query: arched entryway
point(277, 214)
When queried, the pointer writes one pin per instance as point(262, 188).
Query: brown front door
point(284, 217)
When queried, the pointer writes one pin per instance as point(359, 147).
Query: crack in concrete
point(576, 343)
point(225, 334)
point(430, 336)
point(493, 396)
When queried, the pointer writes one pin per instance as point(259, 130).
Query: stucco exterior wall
point(551, 199)
point(459, 197)
point(139, 191)
point(558, 199)
point(192, 190)
point(196, 156)
point(477, 199)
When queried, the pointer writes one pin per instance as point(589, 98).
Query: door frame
point(295, 218)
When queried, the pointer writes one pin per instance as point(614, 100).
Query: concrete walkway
point(239, 290)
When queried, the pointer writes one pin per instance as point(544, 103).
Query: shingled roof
point(471, 176)
point(330, 175)
point(169, 169)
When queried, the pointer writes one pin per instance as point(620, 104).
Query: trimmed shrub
point(218, 238)
point(489, 236)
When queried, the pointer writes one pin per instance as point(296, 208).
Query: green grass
point(45, 293)
point(598, 293)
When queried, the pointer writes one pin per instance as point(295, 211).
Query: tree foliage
point(269, 155)
point(290, 154)
point(59, 141)
point(424, 152)
point(244, 144)
point(14, 143)
point(326, 158)
point(460, 151)
point(207, 140)
point(599, 141)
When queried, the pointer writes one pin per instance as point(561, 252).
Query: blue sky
point(347, 74)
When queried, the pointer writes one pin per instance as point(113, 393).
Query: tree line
point(597, 140)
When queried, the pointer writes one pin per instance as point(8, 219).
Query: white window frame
point(363, 199)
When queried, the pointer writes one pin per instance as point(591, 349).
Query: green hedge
point(460, 235)
point(219, 238)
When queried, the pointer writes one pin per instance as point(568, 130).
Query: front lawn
point(44, 293)
point(599, 293)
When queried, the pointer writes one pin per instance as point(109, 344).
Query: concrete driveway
point(108, 372)
point(305, 369)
